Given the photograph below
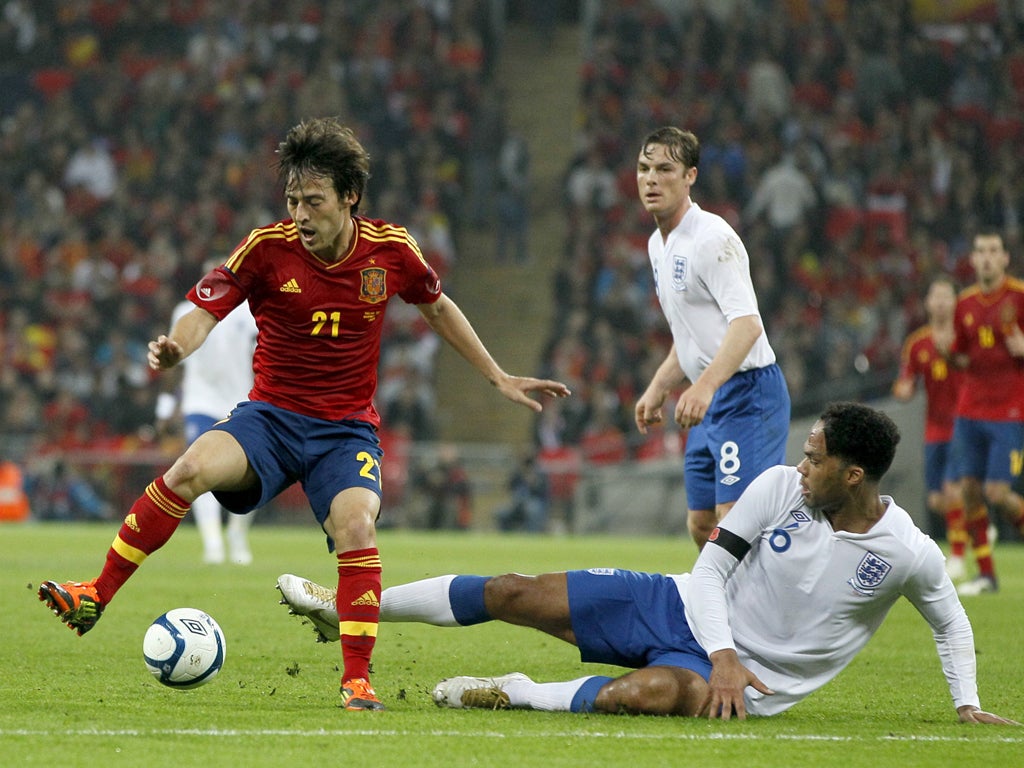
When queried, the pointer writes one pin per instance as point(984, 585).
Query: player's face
point(989, 259)
point(823, 485)
point(663, 182)
point(323, 219)
point(940, 303)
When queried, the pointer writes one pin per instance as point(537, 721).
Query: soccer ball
point(184, 648)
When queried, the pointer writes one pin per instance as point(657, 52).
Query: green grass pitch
point(89, 701)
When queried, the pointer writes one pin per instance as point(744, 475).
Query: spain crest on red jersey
point(374, 286)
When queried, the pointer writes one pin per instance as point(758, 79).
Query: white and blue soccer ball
point(184, 648)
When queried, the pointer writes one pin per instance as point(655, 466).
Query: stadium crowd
point(854, 147)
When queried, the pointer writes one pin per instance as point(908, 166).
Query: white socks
point(425, 601)
point(549, 697)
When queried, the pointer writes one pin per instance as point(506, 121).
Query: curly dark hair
point(861, 435)
point(326, 148)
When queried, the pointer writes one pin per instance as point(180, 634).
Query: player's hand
point(518, 388)
point(693, 405)
point(1015, 341)
point(164, 353)
point(971, 714)
point(648, 411)
point(728, 680)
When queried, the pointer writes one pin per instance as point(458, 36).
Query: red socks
point(148, 525)
point(956, 532)
point(358, 604)
point(977, 529)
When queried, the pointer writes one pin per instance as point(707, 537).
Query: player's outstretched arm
point(447, 321)
point(972, 714)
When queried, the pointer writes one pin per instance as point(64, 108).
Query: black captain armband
point(730, 542)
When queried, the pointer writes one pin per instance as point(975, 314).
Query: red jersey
point(319, 324)
point(941, 380)
point(993, 388)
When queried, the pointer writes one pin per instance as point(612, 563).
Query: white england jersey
point(702, 277)
point(805, 598)
point(218, 375)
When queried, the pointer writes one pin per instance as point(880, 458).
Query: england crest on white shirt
point(871, 572)
point(679, 273)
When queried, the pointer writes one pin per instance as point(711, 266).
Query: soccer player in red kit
point(988, 434)
point(318, 284)
point(925, 359)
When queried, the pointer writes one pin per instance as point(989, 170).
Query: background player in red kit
point(318, 284)
point(925, 358)
point(989, 430)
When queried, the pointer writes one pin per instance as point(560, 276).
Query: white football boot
point(477, 692)
point(311, 601)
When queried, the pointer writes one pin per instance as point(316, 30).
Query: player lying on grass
point(795, 581)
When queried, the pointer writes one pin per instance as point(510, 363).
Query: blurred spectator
point(513, 202)
point(527, 509)
point(14, 504)
point(445, 485)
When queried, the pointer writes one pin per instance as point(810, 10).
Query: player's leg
point(214, 460)
point(207, 513)
point(969, 455)
point(237, 535)
point(342, 482)
point(624, 618)
point(746, 429)
point(206, 510)
point(699, 481)
point(944, 501)
point(350, 525)
point(656, 690)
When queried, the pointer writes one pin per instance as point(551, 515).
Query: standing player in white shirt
point(793, 583)
point(734, 399)
point(216, 377)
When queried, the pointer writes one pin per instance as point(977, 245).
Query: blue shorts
point(743, 433)
point(988, 450)
point(632, 619)
point(285, 447)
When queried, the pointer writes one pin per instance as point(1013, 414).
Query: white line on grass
point(377, 732)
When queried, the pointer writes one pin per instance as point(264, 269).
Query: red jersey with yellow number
point(942, 382)
point(319, 324)
point(993, 388)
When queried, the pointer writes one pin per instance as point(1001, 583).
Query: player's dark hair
point(860, 435)
point(325, 147)
point(682, 146)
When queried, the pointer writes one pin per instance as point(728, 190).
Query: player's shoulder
point(283, 231)
point(381, 230)
point(919, 336)
point(970, 293)
point(715, 235)
point(1015, 284)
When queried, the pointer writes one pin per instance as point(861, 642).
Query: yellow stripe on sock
point(358, 628)
point(127, 551)
point(165, 504)
point(363, 562)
